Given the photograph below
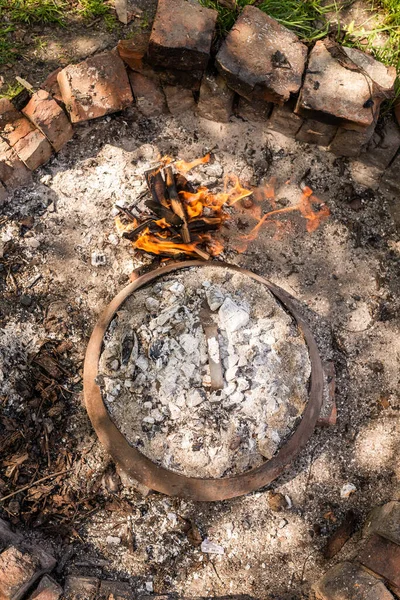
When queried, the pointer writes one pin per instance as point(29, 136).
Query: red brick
point(179, 100)
point(190, 80)
point(7, 536)
point(48, 589)
point(383, 558)
point(285, 121)
point(181, 36)
point(96, 87)
point(81, 588)
point(29, 143)
point(13, 172)
point(216, 99)
point(350, 143)
point(8, 113)
point(343, 94)
point(383, 145)
point(347, 581)
point(15, 130)
point(257, 110)
point(315, 132)
point(18, 571)
point(50, 84)
point(260, 59)
point(49, 117)
point(385, 519)
point(133, 51)
point(148, 94)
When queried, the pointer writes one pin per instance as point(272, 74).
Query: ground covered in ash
point(53, 287)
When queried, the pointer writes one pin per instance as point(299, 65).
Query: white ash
point(155, 376)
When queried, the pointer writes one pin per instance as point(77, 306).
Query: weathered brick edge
point(111, 81)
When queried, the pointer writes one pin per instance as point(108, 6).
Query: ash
point(155, 375)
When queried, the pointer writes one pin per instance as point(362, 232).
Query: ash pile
point(204, 372)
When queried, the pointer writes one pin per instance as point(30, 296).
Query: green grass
point(33, 12)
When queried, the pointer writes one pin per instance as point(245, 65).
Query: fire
point(182, 218)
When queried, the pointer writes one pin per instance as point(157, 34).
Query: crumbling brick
point(81, 588)
point(18, 571)
point(350, 143)
point(260, 59)
point(29, 143)
point(382, 556)
point(149, 95)
point(181, 36)
point(216, 99)
point(285, 121)
point(334, 90)
point(133, 51)
point(253, 111)
point(49, 118)
point(95, 87)
point(116, 590)
point(315, 132)
point(383, 146)
point(179, 99)
point(8, 113)
point(385, 520)
point(347, 581)
point(48, 589)
point(13, 172)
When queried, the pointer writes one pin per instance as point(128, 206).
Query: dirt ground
point(345, 276)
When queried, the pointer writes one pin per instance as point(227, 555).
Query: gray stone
point(179, 99)
point(285, 121)
point(383, 146)
point(214, 297)
point(261, 59)
point(344, 86)
point(315, 132)
point(216, 99)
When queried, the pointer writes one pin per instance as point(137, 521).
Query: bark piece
point(95, 87)
point(348, 581)
point(149, 95)
point(181, 36)
point(346, 87)
point(216, 99)
point(315, 132)
point(261, 59)
point(49, 118)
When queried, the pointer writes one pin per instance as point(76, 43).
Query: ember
point(181, 218)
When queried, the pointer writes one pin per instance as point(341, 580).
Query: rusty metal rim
point(141, 468)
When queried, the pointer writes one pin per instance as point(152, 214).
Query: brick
point(347, 581)
point(285, 121)
point(216, 99)
point(340, 536)
point(341, 94)
point(13, 172)
point(382, 556)
point(18, 571)
point(8, 113)
point(148, 94)
point(81, 588)
point(186, 79)
point(7, 536)
point(116, 589)
point(350, 143)
point(50, 84)
point(385, 520)
point(260, 59)
point(365, 175)
point(48, 589)
point(49, 118)
point(179, 99)
point(29, 143)
point(133, 50)
point(15, 130)
point(383, 146)
point(181, 36)
point(315, 132)
point(95, 87)
point(253, 111)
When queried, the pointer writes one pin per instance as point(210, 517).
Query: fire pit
point(168, 481)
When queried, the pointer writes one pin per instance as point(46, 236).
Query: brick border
point(332, 102)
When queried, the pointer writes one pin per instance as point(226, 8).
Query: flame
point(185, 167)
point(122, 228)
point(150, 242)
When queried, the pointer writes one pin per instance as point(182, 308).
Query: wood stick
point(182, 184)
point(204, 224)
point(176, 204)
point(201, 253)
point(31, 485)
point(156, 185)
point(132, 235)
point(164, 213)
point(126, 212)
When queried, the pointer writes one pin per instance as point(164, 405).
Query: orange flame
point(149, 242)
point(185, 167)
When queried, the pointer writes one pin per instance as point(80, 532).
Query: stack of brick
point(377, 569)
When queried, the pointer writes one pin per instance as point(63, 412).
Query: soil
point(345, 275)
point(155, 375)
